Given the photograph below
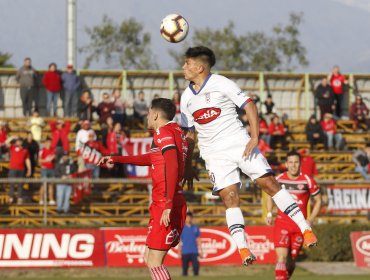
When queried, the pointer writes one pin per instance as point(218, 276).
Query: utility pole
point(71, 32)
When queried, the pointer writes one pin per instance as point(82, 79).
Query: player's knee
point(270, 185)
point(231, 199)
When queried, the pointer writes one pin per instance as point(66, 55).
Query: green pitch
point(207, 273)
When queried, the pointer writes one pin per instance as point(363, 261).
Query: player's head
point(198, 60)
point(161, 111)
point(293, 163)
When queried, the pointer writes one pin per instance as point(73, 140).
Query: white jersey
point(212, 112)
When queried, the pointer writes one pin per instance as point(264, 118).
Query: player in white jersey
point(208, 106)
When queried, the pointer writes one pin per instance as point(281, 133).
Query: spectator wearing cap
point(59, 136)
point(329, 126)
point(71, 85)
point(105, 108)
point(19, 166)
point(53, 85)
point(64, 169)
point(190, 246)
point(359, 114)
point(337, 82)
point(47, 158)
point(86, 106)
point(36, 124)
point(82, 137)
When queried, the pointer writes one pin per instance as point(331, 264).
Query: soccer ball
point(174, 28)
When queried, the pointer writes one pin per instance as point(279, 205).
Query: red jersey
point(329, 126)
point(43, 154)
point(300, 188)
point(276, 127)
point(18, 156)
point(2, 136)
point(336, 83)
point(167, 137)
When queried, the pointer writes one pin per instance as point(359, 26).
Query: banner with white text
point(348, 197)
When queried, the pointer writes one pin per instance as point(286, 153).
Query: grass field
point(222, 272)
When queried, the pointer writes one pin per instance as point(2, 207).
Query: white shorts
point(223, 166)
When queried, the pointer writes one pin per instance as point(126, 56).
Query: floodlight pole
point(71, 32)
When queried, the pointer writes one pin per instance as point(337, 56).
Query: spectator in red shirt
point(91, 152)
point(47, 159)
point(337, 82)
point(329, 126)
point(19, 166)
point(3, 136)
point(277, 133)
point(105, 108)
point(359, 113)
point(264, 130)
point(116, 139)
point(59, 136)
point(308, 164)
point(53, 85)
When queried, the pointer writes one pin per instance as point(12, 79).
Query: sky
point(333, 31)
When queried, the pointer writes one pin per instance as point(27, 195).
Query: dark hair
point(292, 154)
point(203, 53)
point(51, 64)
point(190, 214)
point(166, 106)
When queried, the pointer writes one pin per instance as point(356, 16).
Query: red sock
point(280, 272)
point(160, 273)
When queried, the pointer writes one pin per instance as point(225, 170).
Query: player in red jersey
point(168, 209)
point(288, 238)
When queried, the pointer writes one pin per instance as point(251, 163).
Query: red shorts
point(288, 235)
point(161, 237)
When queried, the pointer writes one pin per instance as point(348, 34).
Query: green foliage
point(334, 242)
point(4, 60)
point(254, 51)
point(123, 45)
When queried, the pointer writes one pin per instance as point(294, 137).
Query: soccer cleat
point(309, 238)
point(247, 256)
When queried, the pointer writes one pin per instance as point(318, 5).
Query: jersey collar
point(204, 83)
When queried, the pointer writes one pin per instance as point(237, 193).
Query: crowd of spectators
point(114, 118)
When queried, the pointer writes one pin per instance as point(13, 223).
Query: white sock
point(286, 204)
point(235, 223)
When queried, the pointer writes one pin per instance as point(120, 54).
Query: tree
point(123, 45)
point(254, 51)
point(4, 60)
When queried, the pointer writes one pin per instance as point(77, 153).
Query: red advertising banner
point(360, 241)
point(137, 146)
point(51, 248)
point(125, 246)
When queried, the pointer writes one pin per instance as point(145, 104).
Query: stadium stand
point(125, 201)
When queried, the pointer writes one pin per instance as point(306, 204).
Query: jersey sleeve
point(164, 139)
point(187, 120)
point(235, 94)
point(312, 186)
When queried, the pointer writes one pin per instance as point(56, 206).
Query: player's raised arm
point(252, 116)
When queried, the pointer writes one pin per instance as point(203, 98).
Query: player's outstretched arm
point(189, 172)
point(141, 160)
point(252, 116)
